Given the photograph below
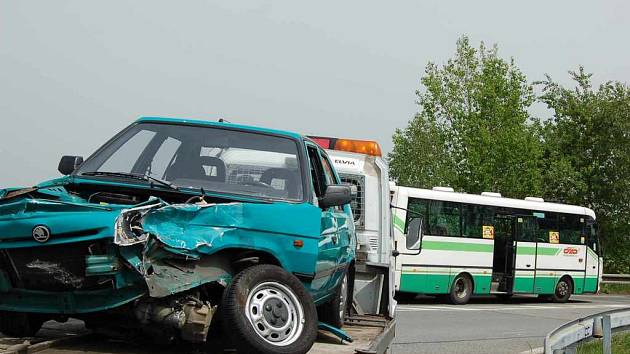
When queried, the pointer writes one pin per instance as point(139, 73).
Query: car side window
point(328, 171)
point(317, 172)
point(330, 176)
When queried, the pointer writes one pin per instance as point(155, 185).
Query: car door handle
point(528, 265)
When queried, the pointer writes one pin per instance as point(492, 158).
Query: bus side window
point(417, 207)
point(527, 228)
point(444, 219)
point(474, 218)
point(547, 222)
point(571, 228)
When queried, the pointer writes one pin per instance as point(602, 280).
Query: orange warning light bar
point(359, 146)
point(367, 147)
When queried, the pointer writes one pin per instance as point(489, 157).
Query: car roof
point(207, 123)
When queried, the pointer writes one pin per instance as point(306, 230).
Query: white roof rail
point(535, 199)
point(443, 189)
point(491, 194)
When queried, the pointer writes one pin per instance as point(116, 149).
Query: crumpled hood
point(69, 218)
point(154, 235)
point(200, 227)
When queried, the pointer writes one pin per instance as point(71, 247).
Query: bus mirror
point(414, 234)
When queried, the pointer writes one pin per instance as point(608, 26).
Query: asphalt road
point(489, 325)
point(486, 325)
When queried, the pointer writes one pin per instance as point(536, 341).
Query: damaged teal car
point(176, 227)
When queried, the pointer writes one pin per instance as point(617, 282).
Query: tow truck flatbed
point(370, 334)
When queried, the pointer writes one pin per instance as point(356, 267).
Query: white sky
point(73, 73)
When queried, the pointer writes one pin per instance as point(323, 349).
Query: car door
point(328, 248)
point(345, 224)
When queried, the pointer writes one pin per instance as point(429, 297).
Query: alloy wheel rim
point(563, 289)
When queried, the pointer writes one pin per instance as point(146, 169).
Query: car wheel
point(334, 311)
point(18, 324)
point(267, 310)
point(563, 291)
point(461, 290)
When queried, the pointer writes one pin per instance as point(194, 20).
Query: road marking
point(411, 308)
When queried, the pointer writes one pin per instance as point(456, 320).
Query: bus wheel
point(267, 310)
point(461, 290)
point(563, 292)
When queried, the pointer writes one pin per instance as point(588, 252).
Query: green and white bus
point(487, 244)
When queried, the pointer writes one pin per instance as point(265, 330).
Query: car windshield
point(215, 159)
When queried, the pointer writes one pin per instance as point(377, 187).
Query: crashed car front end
point(52, 243)
point(73, 258)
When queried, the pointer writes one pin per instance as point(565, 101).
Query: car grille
point(358, 204)
point(53, 268)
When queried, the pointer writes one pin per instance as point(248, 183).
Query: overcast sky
point(73, 73)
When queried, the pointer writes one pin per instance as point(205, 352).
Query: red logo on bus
point(570, 250)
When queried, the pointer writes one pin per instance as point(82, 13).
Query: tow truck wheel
point(334, 311)
point(17, 324)
point(267, 310)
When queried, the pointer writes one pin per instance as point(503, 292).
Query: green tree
point(587, 156)
point(473, 131)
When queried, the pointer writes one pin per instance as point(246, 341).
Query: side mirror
point(414, 234)
point(68, 164)
point(335, 195)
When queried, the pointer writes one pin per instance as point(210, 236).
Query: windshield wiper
point(140, 177)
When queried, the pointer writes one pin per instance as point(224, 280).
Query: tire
point(461, 290)
point(334, 311)
point(18, 324)
point(267, 310)
point(563, 291)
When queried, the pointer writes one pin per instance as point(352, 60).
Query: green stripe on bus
point(457, 246)
point(439, 283)
point(433, 283)
point(399, 223)
point(590, 284)
point(542, 251)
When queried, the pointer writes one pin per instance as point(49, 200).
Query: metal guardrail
point(616, 279)
point(564, 339)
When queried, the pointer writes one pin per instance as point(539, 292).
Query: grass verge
point(620, 345)
point(619, 289)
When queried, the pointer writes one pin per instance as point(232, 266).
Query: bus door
point(526, 229)
point(503, 259)
point(591, 275)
